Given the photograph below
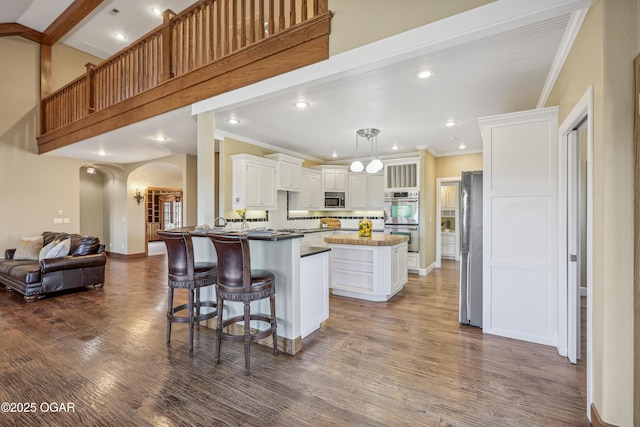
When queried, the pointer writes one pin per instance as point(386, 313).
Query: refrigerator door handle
point(468, 289)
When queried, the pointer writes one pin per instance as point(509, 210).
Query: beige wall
point(33, 187)
point(601, 57)
point(452, 166)
point(366, 21)
point(427, 209)
point(68, 64)
point(92, 204)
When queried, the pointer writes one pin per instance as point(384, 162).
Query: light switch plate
point(57, 220)
point(67, 220)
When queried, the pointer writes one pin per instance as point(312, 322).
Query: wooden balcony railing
point(208, 31)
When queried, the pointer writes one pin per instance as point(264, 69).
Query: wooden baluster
point(219, 51)
point(234, 26)
point(304, 10)
point(261, 20)
point(272, 19)
point(212, 31)
point(252, 21)
point(281, 22)
point(243, 23)
point(292, 13)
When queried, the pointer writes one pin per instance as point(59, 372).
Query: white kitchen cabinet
point(334, 179)
point(366, 191)
point(372, 273)
point(253, 182)
point(310, 194)
point(448, 197)
point(288, 169)
point(448, 245)
point(412, 261)
point(314, 292)
point(402, 175)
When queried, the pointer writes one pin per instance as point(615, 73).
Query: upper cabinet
point(366, 191)
point(448, 197)
point(334, 179)
point(253, 182)
point(310, 194)
point(402, 175)
point(288, 170)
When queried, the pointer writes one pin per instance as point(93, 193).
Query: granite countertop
point(374, 240)
point(312, 250)
point(269, 235)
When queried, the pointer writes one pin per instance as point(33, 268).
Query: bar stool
point(238, 282)
point(185, 273)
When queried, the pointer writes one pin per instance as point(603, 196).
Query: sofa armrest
point(8, 254)
point(71, 262)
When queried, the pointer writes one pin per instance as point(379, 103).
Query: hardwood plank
point(403, 362)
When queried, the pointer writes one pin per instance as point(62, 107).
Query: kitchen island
point(280, 253)
point(369, 268)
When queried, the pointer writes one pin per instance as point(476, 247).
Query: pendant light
point(375, 165)
point(357, 165)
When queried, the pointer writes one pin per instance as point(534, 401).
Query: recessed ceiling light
point(120, 36)
point(301, 104)
point(424, 74)
point(91, 170)
point(102, 153)
point(233, 121)
point(334, 154)
point(160, 138)
point(394, 147)
point(462, 146)
point(450, 123)
point(156, 11)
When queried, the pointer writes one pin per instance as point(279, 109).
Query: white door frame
point(582, 109)
point(439, 182)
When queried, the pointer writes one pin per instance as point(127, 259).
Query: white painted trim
point(570, 34)
point(220, 134)
point(584, 107)
point(439, 182)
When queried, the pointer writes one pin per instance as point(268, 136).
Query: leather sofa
point(84, 266)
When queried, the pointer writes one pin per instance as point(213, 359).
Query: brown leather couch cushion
point(80, 245)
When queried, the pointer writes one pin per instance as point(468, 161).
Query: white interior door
point(573, 248)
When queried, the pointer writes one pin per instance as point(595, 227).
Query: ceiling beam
point(71, 17)
point(15, 29)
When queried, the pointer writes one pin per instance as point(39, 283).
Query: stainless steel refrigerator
point(471, 249)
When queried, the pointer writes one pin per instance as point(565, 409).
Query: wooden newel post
point(90, 90)
point(167, 46)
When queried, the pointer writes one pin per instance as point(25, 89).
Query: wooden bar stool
point(238, 282)
point(185, 273)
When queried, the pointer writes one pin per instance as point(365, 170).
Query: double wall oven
point(401, 216)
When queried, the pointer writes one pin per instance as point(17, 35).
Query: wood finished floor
point(404, 362)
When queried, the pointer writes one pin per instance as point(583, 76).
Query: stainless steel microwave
point(334, 200)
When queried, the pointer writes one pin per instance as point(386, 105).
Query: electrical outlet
point(59, 212)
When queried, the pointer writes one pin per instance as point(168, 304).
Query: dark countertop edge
point(319, 230)
point(312, 250)
point(272, 237)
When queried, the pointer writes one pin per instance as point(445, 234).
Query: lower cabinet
point(372, 273)
point(314, 292)
point(448, 245)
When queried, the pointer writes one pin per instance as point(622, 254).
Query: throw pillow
point(28, 249)
point(60, 250)
point(46, 248)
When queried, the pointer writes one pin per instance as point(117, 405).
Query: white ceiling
point(485, 73)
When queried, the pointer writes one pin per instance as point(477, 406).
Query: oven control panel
point(401, 194)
